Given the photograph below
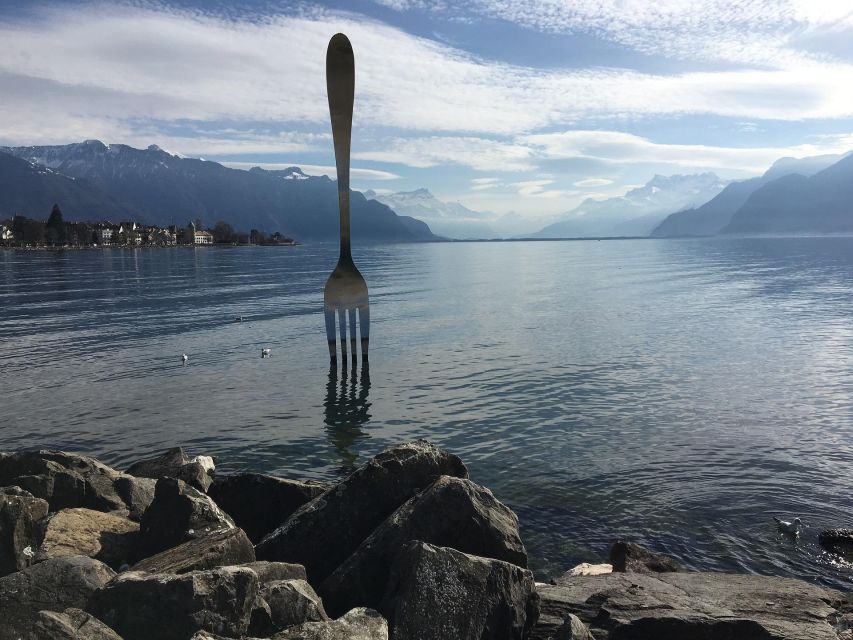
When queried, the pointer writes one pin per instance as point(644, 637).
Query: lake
point(677, 393)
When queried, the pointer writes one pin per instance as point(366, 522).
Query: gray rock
point(20, 513)
point(628, 556)
point(137, 494)
point(178, 513)
point(174, 463)
point(324, 532)
point(838, 541)
point(142, 606)
point(72, 624)
point(104, 536)
point(451, 512)
point(260, 503)
point(573, 629)
point(274, 571)
point(292, 602)
point(260, 621)
point(65, 480)
point(443, 594)
point(358, 624)
point(53, 585)
point(705, 606)
point(221, 548)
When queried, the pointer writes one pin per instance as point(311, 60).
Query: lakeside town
point(23, 232)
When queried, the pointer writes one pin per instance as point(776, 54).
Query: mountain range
point(92, 180)
point(793, 195)
point(637, 212)
point(448, 219)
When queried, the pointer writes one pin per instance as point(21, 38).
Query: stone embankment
point(407, 547)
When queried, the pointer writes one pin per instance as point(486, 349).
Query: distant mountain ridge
point(449, 219)
point(93, 180)
point(715, 216)
point(795, 203)
point(638, 211)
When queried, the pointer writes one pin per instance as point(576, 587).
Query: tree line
point(56, 232)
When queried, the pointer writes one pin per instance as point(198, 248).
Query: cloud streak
point(114, 68)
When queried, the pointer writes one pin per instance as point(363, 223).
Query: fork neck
point(343, 203)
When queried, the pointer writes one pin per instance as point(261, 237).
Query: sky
point(518, 108)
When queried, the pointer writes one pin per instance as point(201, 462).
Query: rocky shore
point(407, 547)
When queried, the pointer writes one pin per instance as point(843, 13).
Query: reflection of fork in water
point(346, 410)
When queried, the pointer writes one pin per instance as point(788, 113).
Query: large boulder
point(324, 532)
point(629, 556)
point(178, 513)
point(292, 602)
point(174, 463)
point(358, 624)
point(443, 594)
point(142, 606)
point(137, 494)
point(706, 606)
point(573, 629)
point(452, 512)
point(53, 585)
point(20, 513)
point(72, 624)
point(274, 571)
point(221, 548)
point(65, 480)
point(106, 537)
point(259, 503)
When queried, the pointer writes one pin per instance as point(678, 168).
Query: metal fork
point(346, 290)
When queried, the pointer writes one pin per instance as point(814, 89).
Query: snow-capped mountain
point(448, 219)
point(637, 212)
point(93, 180)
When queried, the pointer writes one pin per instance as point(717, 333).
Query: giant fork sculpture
point(346, 290)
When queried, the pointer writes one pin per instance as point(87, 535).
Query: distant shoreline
point(146, 246)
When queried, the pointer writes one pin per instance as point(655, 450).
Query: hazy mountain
point(158, 187)
point(449, 219)
point(715, 214)
point(794, 203)
point(638, 211)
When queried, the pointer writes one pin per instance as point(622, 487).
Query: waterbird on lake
point(265, 353)
point(184, 358)
point(791, 528)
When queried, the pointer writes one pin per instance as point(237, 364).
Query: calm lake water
point(676, 393)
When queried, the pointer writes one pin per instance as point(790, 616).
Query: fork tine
point(330, 334)
point(342, 327)
point(352, 335)
point(364, 323)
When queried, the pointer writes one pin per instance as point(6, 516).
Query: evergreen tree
point(55, 227)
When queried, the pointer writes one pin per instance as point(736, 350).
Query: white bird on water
point(791, 528)
point(265, 353)
point(184, 358)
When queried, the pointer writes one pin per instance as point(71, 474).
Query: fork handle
point(340, 87)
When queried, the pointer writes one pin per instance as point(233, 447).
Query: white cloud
point(318, 170)
point(478, 153)
point(618, 147)
point(481, 184)
point(757, 32)
point(103, 69)
point(593, 182)
point(536, 189)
